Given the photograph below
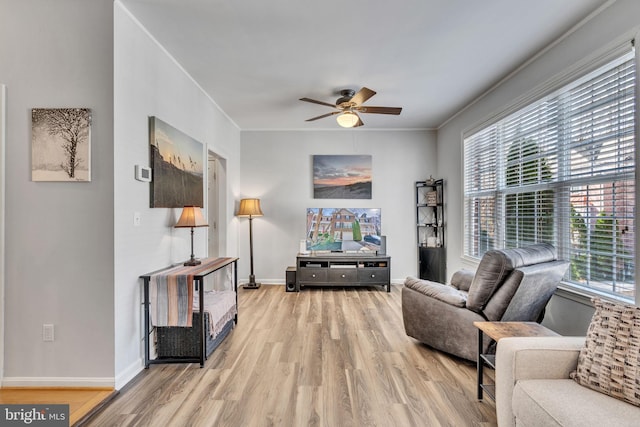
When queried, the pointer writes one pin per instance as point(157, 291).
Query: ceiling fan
point(349, 105)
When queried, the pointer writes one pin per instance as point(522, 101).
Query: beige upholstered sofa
point(564, 381)
point(509, 285)
point(533, 387)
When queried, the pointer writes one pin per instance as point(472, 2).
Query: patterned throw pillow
point(610, 361)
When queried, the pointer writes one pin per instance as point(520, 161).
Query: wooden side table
point(496, 331)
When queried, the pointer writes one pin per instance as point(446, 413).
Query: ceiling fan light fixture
point(349, 105)
point(347, 119)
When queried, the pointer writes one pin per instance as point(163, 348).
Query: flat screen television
point(347, 230)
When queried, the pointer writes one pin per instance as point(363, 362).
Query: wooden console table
point(496, 331)
point(343, 270)
point(197, 274)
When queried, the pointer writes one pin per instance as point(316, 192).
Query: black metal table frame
point(489, 360)
point(198, 281)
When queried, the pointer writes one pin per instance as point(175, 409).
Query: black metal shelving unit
point(430, 227)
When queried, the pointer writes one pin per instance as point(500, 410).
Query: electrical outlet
point(47, 332)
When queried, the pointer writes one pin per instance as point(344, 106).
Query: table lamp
point(191, 217)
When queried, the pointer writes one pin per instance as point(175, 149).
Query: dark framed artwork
point(177, 167)
point(61, 144)
point(342, 177)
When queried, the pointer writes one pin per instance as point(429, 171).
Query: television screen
point(347, 230)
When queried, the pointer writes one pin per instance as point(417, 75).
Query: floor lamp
point(250, 208)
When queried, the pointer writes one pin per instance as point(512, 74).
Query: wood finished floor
point(320, 357)
point(81, 401)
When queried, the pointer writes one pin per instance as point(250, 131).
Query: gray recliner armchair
point(509, 285)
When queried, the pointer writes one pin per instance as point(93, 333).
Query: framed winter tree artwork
point(61, 144)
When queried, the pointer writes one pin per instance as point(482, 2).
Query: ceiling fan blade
point(359, 122)
point(323, 116)
point(380, 110)
point(318, 102)
point(362, 95)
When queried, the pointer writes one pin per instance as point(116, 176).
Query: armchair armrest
point(444, 293)
point(520, 358)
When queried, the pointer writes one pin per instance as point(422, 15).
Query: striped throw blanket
point(171, 293)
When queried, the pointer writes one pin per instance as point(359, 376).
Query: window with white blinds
point(561, 170)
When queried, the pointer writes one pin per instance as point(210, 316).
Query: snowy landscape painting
point(342, 177)
point(61, 144)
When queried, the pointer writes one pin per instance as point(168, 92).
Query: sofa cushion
point(496, 265)
point(533, 254)
point(441, 292)
point(610, 361)
point(559, 402)
point(497, 305)
point(491, 272)
point(537, 285)
point(462, 279)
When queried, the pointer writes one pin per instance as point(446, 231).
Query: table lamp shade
point(249, 208)
point(191, 217)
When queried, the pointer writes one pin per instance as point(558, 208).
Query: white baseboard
point(281, 283)
point(35, 382)
point(122, 378)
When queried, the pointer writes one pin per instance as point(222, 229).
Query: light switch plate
point(47, 332)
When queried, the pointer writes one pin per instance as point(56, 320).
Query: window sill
point(583, 295)
point(469, 261)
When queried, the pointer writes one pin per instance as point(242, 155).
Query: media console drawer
point(343, 275)
point(343, 270)
point(373, 275)
point(312, 274)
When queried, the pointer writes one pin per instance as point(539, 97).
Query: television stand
point(343, 269)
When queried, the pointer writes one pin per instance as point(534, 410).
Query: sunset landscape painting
point(177, 162)
point(342, 177)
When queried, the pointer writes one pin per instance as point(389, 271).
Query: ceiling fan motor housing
point(346, 95)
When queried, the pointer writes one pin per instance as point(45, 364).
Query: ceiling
point(256, 58)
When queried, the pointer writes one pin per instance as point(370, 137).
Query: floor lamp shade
point(191, 217)
point(250, 208)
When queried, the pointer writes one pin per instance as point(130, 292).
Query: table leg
point(203, 330)
point(480, 365)
point(235, 287)
point(146, 323)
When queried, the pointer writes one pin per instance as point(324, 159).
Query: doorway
point(216, 204)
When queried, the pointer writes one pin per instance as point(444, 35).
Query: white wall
point(2, 187)
point(612, 24)
point(277, 169)
point(148, 82)
point(59, 236)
